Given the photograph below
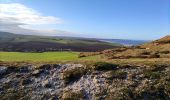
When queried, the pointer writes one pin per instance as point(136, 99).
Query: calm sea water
point(126, 42)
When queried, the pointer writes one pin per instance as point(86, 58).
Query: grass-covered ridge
point(31, 43)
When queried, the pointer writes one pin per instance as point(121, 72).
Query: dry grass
point(133, 61)
point(69, 95)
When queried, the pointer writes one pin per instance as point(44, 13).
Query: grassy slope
point(9, 37)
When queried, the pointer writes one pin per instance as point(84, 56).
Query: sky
point(113, 19)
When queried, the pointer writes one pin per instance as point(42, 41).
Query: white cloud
point(18, 13)
point(17, 18)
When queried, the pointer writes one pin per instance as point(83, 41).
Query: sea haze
point(126, 42)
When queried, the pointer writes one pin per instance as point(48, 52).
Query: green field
point(46, 56)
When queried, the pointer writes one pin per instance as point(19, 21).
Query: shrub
point(46, 67)
point(73, 75)
point(158, 67)
point(151, 92)
point(104, 66)
point(124, 93)
point(152, 75)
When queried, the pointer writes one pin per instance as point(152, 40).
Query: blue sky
point(123, 19)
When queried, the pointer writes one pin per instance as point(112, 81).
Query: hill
point(161, 45)
point(156, 49)
point(30, 43)
point(165, 39)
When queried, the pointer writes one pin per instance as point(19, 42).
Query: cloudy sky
point(123, 19)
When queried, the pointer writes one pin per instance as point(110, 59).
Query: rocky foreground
point(101, 81)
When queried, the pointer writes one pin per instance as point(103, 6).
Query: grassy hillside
point(161, 45)
point(156, 49)
point(16, 42)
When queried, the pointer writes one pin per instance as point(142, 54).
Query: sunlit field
point(45, 56)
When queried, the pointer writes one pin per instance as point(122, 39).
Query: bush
point(73, 75)
point(152, 75)
point(124, 93)
point(158, 67)
point(153, 92)
point(104, 66)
